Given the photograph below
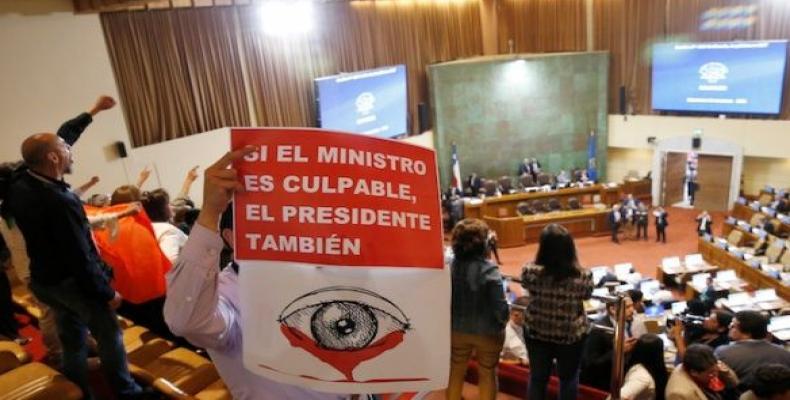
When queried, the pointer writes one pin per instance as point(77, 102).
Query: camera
point(688, 320)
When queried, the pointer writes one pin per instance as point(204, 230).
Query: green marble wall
point(501, 109)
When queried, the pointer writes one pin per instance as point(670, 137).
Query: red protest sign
point(333, 198)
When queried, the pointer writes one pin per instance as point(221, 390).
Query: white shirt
point(170, 238)
point(638, 384)
point(514, 346)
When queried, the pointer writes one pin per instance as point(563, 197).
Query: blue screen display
point(733, 77)
point(369, 102)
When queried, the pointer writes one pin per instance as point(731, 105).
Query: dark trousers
point(75, 314)
point(641, 229)
point(541, 356)
point(8, 325)
point(661, 233)
point(615, 228)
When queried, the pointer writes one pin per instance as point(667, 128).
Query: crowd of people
point(632, 215)
point(720, 355)
point(189, 292)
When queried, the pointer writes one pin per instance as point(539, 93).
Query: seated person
point(646, 376)
point(563, 178)
point(203, 303)
point(770, 382)
point(514, 349)
point(596, 365)
point(750, 349)
point(701, 376)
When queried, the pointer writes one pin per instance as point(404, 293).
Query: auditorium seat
point(215, 391)
point(179, 372)
point(545, 179)
point(22, 296)
point(735, 237)
point(489, 187)
point(505, 184)
point(538, 206)
point(135, 337)
point(523, 208)
point(573, 203)
point(527, 181)
point(147, 353)
point(765, 199)
point(757, 220)
point(554, 204)
point(36, 381)
point(12, 355)
point(772, 254)
point(513, 381)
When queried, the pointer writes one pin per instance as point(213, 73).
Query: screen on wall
point(370, 102)
point(731, 77)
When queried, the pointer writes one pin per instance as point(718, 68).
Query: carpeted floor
point(644, 255)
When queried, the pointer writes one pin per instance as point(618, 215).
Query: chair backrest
point(505, 183)
point(554, 204)
point(527, 181)
point(757, 219)
point(544, 179)
point(734, 238)
point(774, 252)
point(523, 208)
point(786, 259)
point(765, 199)
point(490, 187)
point(573, 203)
point(538, 206)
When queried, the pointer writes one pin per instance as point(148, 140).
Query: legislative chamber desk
point(718, 256)
point(518, 231)
point(505, 206)
point(744, 213)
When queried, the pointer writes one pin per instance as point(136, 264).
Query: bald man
point(67, 273)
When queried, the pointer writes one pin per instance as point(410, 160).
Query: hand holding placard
point(220, 183)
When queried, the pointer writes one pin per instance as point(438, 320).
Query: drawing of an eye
point(343, 326)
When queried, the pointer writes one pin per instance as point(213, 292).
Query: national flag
point(592, 150)
point(455, 183)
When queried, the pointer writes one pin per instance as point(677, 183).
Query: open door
point(673, 176)
point(713, 177)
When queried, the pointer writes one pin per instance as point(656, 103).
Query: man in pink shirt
point(203, 303)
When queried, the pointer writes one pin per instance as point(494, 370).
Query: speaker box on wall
point(623, 101)
point(120, 147)
point(696, 143)
point(424, 117)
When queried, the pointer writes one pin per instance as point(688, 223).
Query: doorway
point(673, 175)
point(713, 177)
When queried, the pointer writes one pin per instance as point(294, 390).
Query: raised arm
point(82, 189)
point(142, 177)
point(188, 181)
point(71, 130)
point(194, 308)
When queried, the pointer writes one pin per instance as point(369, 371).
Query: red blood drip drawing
point(343, 326)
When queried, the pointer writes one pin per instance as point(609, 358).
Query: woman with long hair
point(556, 323)
point(479, 309)
point(646, 376)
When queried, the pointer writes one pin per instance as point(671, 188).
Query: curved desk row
point(518, 231)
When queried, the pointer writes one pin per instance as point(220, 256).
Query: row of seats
point(538, 206)
point(178, 373)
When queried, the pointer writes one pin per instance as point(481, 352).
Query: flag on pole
point(455, 183)
point(592, 149)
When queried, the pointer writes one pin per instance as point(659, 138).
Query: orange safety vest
point(138, 264)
